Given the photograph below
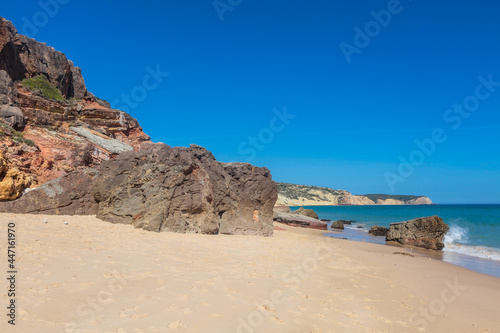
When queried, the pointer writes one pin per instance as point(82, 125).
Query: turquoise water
point(474, 229)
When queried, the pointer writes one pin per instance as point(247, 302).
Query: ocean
point(473, 240)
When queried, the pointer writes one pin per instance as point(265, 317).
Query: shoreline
point(476, 264)
point(97, 276)
point(458, 250)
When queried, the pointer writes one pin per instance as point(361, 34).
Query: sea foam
point(456, 239)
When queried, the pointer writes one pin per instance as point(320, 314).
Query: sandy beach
point(93, 276)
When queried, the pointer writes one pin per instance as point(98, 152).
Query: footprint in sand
point(139, 316)
point(141, 298)
point(176, 325)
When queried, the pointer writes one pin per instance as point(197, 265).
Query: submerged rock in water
point(378, 231)
point(425, 232)
point(338, 225)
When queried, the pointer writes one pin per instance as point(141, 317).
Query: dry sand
point(93, 276)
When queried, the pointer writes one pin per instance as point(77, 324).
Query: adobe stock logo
point(372, 29)
point(139, 93)
point(266, 135)
point(49, 9)
point(222, 7)
point(454, 117)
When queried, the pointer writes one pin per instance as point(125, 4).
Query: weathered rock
point(338, 225)
point(6, 89)
point(426, 232)
point(297, 220)
point(47, 148)
point(185, 190)
point(161, 188)
point(347, 221)
point(325, 220)
point(23, 57)
point(67, 195)
point(12, 180)
point(378, 231)
point(280, 209)
point(112, 145)
point(12, 115)
point(306, 212)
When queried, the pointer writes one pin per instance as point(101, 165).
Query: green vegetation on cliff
point(404, 198)
point(293, 191)
point(42, 87)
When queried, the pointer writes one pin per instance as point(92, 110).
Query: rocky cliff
point(65, 151)
point(50, 124)
point(302, 195)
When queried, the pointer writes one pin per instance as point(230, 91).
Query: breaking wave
point(456, 240)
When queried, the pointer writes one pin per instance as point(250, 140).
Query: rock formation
point(22, 57)
point(302, 195)
point(43, 137)
point(185, 190)
point(161, 188)
point(426, 232)
point(70, 153)
point(338, 225)
point(306, 212)
point(280, 209)
point(68, 195)
point(12, 181)
point(296, 220)
point(378, 231)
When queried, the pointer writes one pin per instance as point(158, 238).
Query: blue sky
point(350, 125)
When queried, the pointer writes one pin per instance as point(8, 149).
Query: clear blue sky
point(352, 121)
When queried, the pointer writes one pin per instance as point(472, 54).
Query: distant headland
point(303, 195)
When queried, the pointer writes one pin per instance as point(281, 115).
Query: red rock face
point(81, 153)
point(44, 145)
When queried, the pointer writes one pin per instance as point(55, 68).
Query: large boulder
point(306, 212)
point(296, 220)
point(185, 190)
point(12, 115)
point(426, 232)
point(161, 188)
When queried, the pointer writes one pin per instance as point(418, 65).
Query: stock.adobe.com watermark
point(223, 6)
point(453, 116)
point(373, 28)
point(139, 93)
point(88, 311)
point(255, 143)
point(48, 9)
point(293, 279)
point(438, 305)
